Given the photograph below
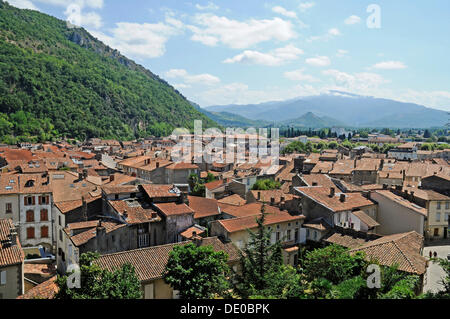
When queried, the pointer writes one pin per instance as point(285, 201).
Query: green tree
point(333, 263)
point(98, 283)
point(261, 262)
point(197, 272)
point(266, 184)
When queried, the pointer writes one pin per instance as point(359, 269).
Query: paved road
point(434, 271)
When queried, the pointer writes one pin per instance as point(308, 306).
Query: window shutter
point(3, 277)
point(25, 201)
point(40, 200)
point(33, 200)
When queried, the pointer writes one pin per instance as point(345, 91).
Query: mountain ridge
point(57, 81)
point(352, 109)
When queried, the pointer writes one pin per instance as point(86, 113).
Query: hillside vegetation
point(57, 81)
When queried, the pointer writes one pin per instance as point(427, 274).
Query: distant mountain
point(59, 81)
point(310, 120)
point(227, 119)
point(351, 109)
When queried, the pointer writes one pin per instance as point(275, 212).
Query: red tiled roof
point(203, 207)
point(46, 290)
point(249, 222)
point(160, 191)
point(150, 262)
point(401, 249)
point(321, 195)
point(11, 255)
point(173, 209)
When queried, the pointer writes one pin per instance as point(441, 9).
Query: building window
point(278, 236)
point(438, 217)
point(446, 217)
point(29, 200)
point(59, 220)
point(447, 205)
point(438, 205)
point(9, 208)
point(30, 216)
point(44, 215)
point(44, 200)
point(44, 232)
point(436, 232)
point(289, 234)
point(60, 235)
point(30, 232)
point(3, 277)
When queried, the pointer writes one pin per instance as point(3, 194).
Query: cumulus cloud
point(212, 30)
point(331, 33)
point(284, 12)
point(276, 57)
point(23, 4)
point(209, 6)
point(319, 61)
point(144, 40)
point(390, 65)
point(305, 6)
point(203, 79)
point(357, 82)
point(341, 53)
point(352, 20)
point(299, 75)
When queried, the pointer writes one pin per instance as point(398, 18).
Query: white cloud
point(299, 75)
point(319, 61)
point(284, 12)
point(95, 4)
point(23, 4)
point(341, 53)
point(204, 79)
point(209, 6)
point(212, 29)
point(390, 65)
point(352, 20)
point(357, 82)
point(331, 33)
point(276, 57)
point(305, 6)
point(334, 32)
point(139, 40)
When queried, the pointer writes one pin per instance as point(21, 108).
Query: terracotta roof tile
point(150, 262)
point(9, 255)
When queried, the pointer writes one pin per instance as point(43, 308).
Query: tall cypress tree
point(260, 261)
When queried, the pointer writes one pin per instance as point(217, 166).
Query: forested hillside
point(57, 81)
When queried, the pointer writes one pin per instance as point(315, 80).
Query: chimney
point(157, 164)
point(342, 198)
point(101, 230)
point(84, 208)
point(259, 195)
point(111, 178)
point(332, 191)
point(13, 236)
point(272, 201)
point(194, 234)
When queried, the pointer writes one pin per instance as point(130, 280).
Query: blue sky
point(252, 51)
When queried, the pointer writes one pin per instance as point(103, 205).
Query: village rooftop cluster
point(132, 203)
